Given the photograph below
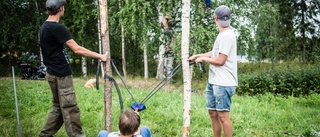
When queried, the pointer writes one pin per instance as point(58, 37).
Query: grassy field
point(257, 116)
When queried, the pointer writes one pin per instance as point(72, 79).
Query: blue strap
point(139, 107)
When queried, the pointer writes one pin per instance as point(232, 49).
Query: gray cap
point(223, 14)
point(53, 5)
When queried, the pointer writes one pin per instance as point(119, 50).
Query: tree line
point(268, 30)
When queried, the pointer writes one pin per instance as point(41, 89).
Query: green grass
point(260, 116)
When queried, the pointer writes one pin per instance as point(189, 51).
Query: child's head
point(129, 122)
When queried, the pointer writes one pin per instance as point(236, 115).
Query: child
point(129, 123)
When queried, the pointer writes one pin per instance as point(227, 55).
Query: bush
point(294, 81)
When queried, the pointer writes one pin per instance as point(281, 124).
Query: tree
point(307, 24)
point(124, 69)
point(19, 29)
point(79, 18)
point(107, 69)
point(289, 33)
point(137, 17)
point(267, 24)
point(168, 14)
point(185, 67)
point(161, 51)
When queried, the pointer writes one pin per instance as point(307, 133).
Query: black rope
point(154, 90)
point(169, 77)
point(125, 85)
point(118, 90)
point(97, 74)
point(111, 79)
point(162, 83)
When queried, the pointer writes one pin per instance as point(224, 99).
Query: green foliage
point(81, 19)
point(278, 30)
point(18, 29)
point(267, 33)
point(261, 115)
point(281, 79)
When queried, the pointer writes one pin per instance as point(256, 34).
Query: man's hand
point(200, 59)
point(192, 57)
point(103, 57)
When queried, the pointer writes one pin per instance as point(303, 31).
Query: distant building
point(242, 59)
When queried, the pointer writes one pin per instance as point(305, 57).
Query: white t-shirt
point(117, 134)
point(226, 75)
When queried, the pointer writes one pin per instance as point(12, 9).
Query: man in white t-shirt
point(223, 77)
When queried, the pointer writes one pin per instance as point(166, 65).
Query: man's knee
point(213, 113)
point(224, 116)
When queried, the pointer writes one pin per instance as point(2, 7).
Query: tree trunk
point(185, 23)
point(100, 46)
point(104, 31)
point(84, 66)
point(124, 68)
point(161, 51)
point(40, 51)
point(145, 58)
point(38, 38)
point(169, 57)
point(303, 29)
point(160, 67)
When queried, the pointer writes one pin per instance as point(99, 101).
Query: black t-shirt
point(53, 36)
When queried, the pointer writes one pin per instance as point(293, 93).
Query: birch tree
point(145, 60)
point(161, 50)
point(100, 45)
point(185, 21)
point(124, 68)
point(84, 67)
point(107, 69)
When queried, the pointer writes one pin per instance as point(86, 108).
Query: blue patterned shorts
point(219, 97)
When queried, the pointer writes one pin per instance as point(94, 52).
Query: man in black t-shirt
point(54, 38)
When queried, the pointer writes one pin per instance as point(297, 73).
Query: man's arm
point(208, 54)
point(219, 61)
point(83, 51)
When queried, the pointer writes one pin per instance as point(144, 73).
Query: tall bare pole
point(104, 33)
point(185, 22)
point(16, 102)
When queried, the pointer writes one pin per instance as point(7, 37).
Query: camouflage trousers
point(64, 108)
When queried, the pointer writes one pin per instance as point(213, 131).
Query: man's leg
point(215, 121)
point(226, 123)
point(69, 107)
point(145, 131)
point(223, 95)
point(54, 120)
point(211, 105)
point(53, 124)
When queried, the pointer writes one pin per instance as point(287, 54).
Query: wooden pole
point(104, 33)
point(185, 22)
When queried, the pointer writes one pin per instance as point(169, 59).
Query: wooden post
point(104, 33)
point(185, 22)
